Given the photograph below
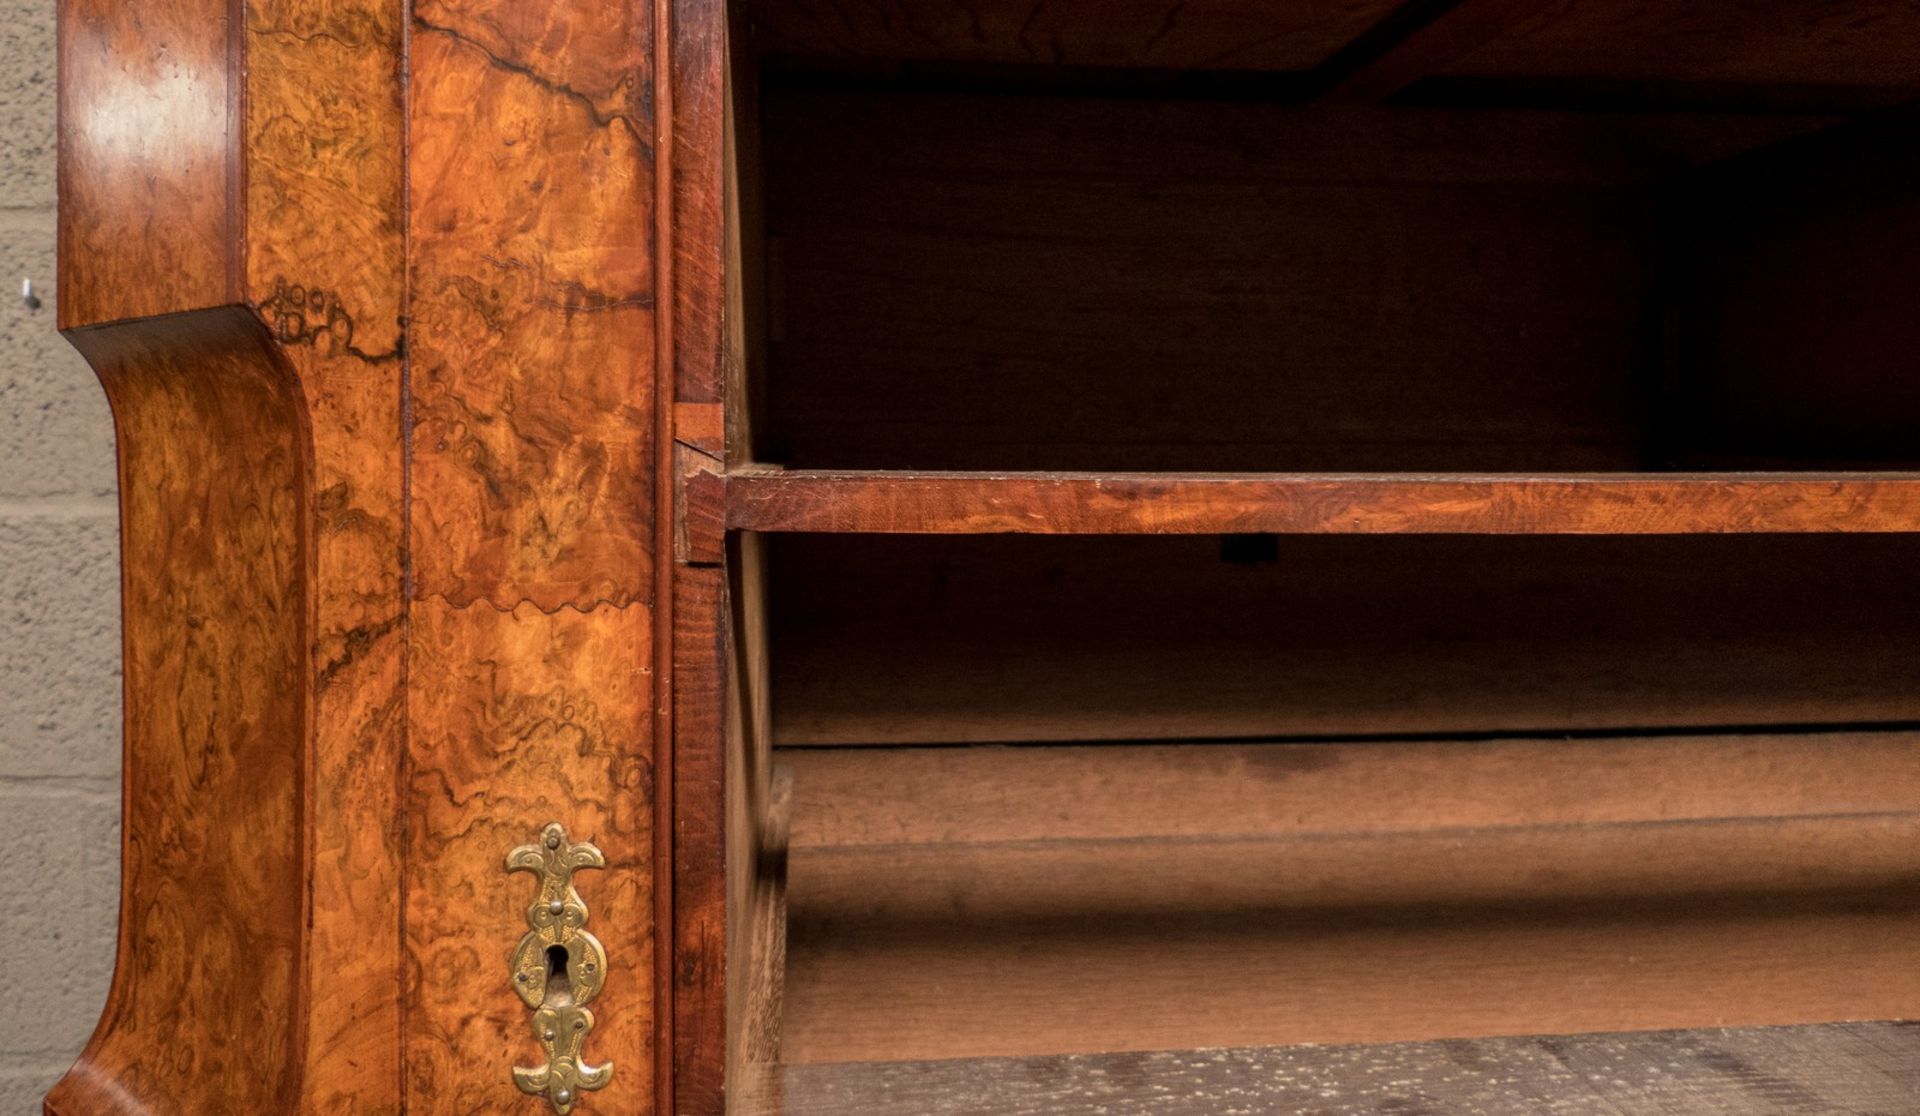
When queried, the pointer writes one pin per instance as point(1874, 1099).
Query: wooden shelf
point(1025, 902)
point(1783, 1071)
point(767, 499)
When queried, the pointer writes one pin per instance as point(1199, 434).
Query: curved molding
point(206, 1008)
point(359, 640)
point(232, 261)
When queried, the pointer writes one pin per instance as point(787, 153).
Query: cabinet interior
point(1062, 795)
point(1081, 794)
point(993, 265)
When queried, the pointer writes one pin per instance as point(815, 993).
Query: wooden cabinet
point(1014, 544)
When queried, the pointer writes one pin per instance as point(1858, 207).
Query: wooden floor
point(1857, 1068)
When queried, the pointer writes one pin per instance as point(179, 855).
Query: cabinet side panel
point(205, 1011)
point(531, 519)
point(326, 269)
point(517, 719)
point(531, 195)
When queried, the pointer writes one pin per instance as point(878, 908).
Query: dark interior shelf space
point(1017, 638)
point(1668, 264)
point(1058, 795)
point(1072, 348)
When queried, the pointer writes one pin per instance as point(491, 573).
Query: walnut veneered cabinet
point(823, 556)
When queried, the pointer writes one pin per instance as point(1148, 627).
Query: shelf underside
point(1792, 53)
point(883, 502)
point(1785, 1071)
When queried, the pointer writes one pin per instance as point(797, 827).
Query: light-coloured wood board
point(1025, 902)
point(1844, 1069)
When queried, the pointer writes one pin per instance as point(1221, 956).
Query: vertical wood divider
point(663, 478)
point(695, 1057)
point(533, 693)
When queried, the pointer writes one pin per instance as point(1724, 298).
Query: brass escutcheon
point(558, 967)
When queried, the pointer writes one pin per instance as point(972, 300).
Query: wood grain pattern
point(719, 743)
point(240, 174)
point(325, 269)
point(532, 306)
point(533, 716)
point(1146, 503)
point(706, 721)
point(236, 170)
point(532, 522)
point(730, 835)
point(396, 464)
point(920, 797)
point(150, 160)
point(1629, 954)
point(699, 498)
point(1854, 1068)
point(209, 1000)
point(699, 77)
point(971, 902)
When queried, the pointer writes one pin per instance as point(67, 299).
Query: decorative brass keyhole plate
point(558, 967)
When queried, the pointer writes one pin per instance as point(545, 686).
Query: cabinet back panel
point(1799, 343)
point(970, 281)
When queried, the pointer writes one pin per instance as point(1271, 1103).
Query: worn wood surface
point(876, 502)
point(706, 907)
point(730, 833)
point(343, 706)
point(762, 1021)
point(1856, 1069)
point(856, 797)
point(1025, 902)
point(699, 201)
point(531, 697)
point(151, 168)
point(894, 640)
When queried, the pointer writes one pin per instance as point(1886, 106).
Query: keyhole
point(559, 988)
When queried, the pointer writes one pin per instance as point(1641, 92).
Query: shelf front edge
point(762, 499)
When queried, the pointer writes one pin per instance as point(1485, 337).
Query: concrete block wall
point(59, 617)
